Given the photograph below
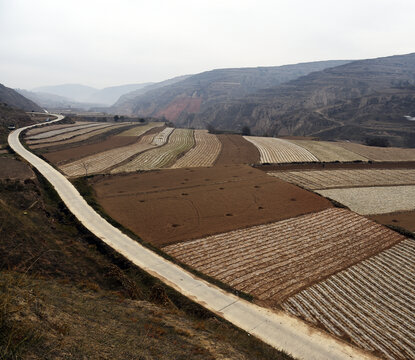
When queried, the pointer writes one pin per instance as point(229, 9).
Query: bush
point(377, 141)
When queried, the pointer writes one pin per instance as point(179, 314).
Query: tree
point(116, 118)
point(246, 130)
point(377, 141)
point(210, 128)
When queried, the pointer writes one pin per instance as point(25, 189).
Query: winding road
point(275, 328)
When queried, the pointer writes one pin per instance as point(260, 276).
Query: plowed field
point(236, 150)
point(45, 128)
point(403, 219)
point(51, 133)
point(204, 153)
point(273, 150)
point(173, 205)
point(179, 142)
point(374, 200)
point(328, 151)
point(380, 153)
point(371, 303)
point(331, 179)
point(276, 260)
point(141, 129)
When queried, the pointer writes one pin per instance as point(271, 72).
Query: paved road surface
point(274, 328)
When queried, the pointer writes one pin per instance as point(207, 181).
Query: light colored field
point(141, 129)
point(374, 200)
point(162, 137)
point(69, 134)
point(49, 134)
point(276, 260)
point(331, 179)
point(98, 163)
point(273, 150)
point(180, 141)
point(380, 153)
point(42, 129)
point(203, 154)
point(328, 151)
point(372, 303)
point(79, 138)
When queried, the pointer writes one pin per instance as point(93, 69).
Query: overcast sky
point(104, 43)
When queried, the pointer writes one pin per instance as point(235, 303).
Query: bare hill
point(365, 98)
point(14, 99)
point(189, 96)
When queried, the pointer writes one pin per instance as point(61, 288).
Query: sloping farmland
point(204, 153)
point(380, 153)
point(274, 261)
point(344, 178)
point(50, 127)
point(374, 200)
point(51, 133)
point(328, 151)
point(371, 303)
point(141, 129)
point(180, 141)
point(273, 150)
point(100, 162)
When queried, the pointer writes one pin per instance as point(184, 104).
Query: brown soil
point(75, 153)
point(176, 107)
point(14, 170)
point(403, 219)
point(338, 165)
point(169, 206)
point(236, 150)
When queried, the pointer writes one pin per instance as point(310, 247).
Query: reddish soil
point(169, 206)
point(75, 153)
point(176, 107)
point(338, 165)
point(14, 170)
point(236, 150)
point(403, 219)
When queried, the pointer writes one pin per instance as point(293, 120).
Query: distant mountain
point(352, 101)
point(108, 96)
point(191, 95)
point(74, 92)
point(14, 99)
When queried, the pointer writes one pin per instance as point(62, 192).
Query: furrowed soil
point(169, 206)
point(403, 219)
point(63, 294)
point(236, 150)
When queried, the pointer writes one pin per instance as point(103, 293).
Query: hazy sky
point(103, 43)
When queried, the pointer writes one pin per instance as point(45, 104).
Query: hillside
point(74, 92)
point(195, 93)
point(367, 98)
point(14, 99)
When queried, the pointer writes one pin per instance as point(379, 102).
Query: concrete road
point(274, 328)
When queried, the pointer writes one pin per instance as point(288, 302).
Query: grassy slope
point(65, 295)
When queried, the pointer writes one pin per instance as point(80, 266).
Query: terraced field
point(51, 133)
point(380, 153)
point(328, 151)
point(100, 162)
point(332, 179)
point(80, 138)
point(180, 141)
point(42, 129)
point(141, 129)
point(274, 261)
point(374, 200)
point(273, 150)
point(162, 137)
point(70, 134)
point(204, 153)
point(371, 303)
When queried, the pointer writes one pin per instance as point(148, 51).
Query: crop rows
point(79, 138)
point(328, 151)
point(273, 150)
point(99, 162)
point(331, 179)
point(141, 129)
point(162, 136)
point(372, 303)
point(380, 153)
point(203, 154)
point(180, 141)
point(42, 129)
point(276, 260)
point(374, 200)
point(49, 134)
point(69, 134)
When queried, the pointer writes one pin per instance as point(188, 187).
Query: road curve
point(277, 329)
